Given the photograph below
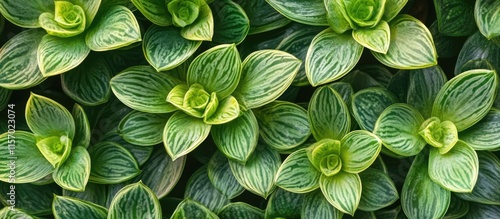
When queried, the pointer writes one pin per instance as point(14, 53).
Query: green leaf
point(455, 18)
point(284, 204)
point(18, 60)
point(398, 85)
point(297, 174)
point(202, 29)
point(5, 95)
point(165, 49)
point(421, 197)
point(7, 212)
point(200, 189)
point(21, 154)
point(58, 55)
point(328, 114)
point(486, 189)
point(456, 170)
point(424, 87)
point(345, 90)
point(183, 133)
point(315, 206)
point(55, 149)
point(67, 20)
point(378, 189)
point(257, 174)
point(143, 89)
point(342, 190)
point(143, 129)
point(262, 16)
point(82, 127)
point(283, 125)
point(482, 211)
point(117, 27)
point(25, 13)
point(458, 207)
point(484, 134)
point(238, 138)
point(72, 208)
point(446, 46)
point(192, 209)
point(486, 15)
point(441, 135)
point(192, 100)
point(88, 83)
point(221, 177)
point(240, 210)
point(90, 8)
point(111, 163)
point(398, 127)
point(369, 103)
point(376, 39)
point(358, 150)
point(141, 154)
point(94, 193)
point(302, 11)
point(74, 173)
point(155, 11)
point(465, 109)
point(335, 12)
point(324, 66)
point(136, 194)
point(477, 49)
point(31, 199)
point(227, 110)
point(46, 117)
point(411, 45)
point(218, 70)
point(392, 8)
point(232, 23)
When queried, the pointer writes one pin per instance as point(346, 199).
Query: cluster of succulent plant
point(249, 109)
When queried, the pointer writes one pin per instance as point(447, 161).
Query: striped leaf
point(486, 16)
point(88, 83)
point(265, 76)
point(59, 24)
point(74, 173)
point(465, 109)
point(21, 153)
point(136, 194)
point(183, 133)
point(192, 209)
point(143, 129)
point(113, 189)
point(262, 16)
point(4, 98)
point(143, 89)
point(58, 55)
point(345, 90)
point(342, 190)
point(456, 170)
point(411, 46)
point(257, 174)
point(324, 66)
point(369, 103)
point(328, 114)
point(200, 189)
point(111, 163)
point(202, 29)
point(398, 127)
point(315, 206)
point(456, 17)
point(302, 11)
point(227, 110)
point(55, 149)
point(94, 193)
point(283, 125)
point(284, 204)
point(421, 197)
point(90, 8)
point(82, 127)
point(477, 48)
point(221, 177)
point(399, 85)
point(484, 134)
point(25, 13)
point(218, 70)
point(141, 154)
point(231, 25)
point(392, 8)
point(240, 210)
point(378, 189)
point(155, 11)
point(165, 48)
point(482, 211)
point(446, 46)
point(486, 189)
point(72, 208)
point(297, 174)
point(45, 117)
point(358, 150)
point(7, 212)
point(18, 60)
point(337, 16)
point(360, 79)
point(423, 88)
point(458, 207)
point(30, 198)
point(238, 138)
point(376, 38)
point(115, 28)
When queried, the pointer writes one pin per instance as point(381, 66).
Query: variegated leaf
point(227, 110)
point(232, 23)
point(376, 38)
point(369, 103)
point(345, 90)
point(221, 177)
point(95, 193)
point(323, 65)
point(58, 55)
point(90, 8)
point(111, 163)
point(155, 11)
point(392, 8)
point(424, 87)
point(143, 129)
point(297, 174)
point(465, 109)
point(482, 211)
point(45, 117)
point(25, 13)
point(74, 173)
point(335, 12)
point(455, 18)
point(82, 127)
point(358, 150)
point(398, 127)
point(136, 194)
point(200, 189)
point(484, 134)
point(141, 154)
point(36, 199)
point(315, 206)
point(378, 190)
point(240, 210)
point(262, 16)
point(342, 190)
point(115, 28)
point(7, 212)
point(486, 15)
point(192, 209)
point(302, 11)
point(284, 204)
point(477, 51)
point(202, 29)
point(458, 207)
point(72, 208)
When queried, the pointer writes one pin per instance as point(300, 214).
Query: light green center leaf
point(376, 39)
point(364, 13)
point(55, 148)
point(322, 149)
point(196, 98)
point(184, 12)
point(330, 165)
point(442, 135)
point(358, 150)
point(67, 21)
point(228, 109)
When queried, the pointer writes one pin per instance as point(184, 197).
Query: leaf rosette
point(184, 12)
